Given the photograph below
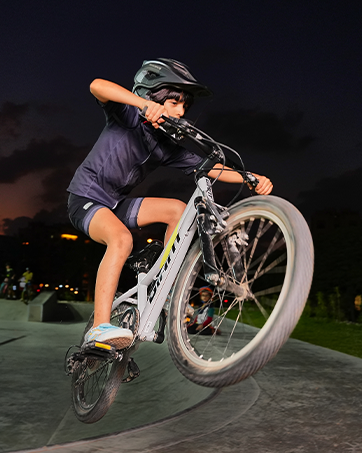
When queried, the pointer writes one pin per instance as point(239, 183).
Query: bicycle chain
point(84, 378)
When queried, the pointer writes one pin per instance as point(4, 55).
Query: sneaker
point(118, 337)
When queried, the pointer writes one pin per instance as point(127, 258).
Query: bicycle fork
point(208, 224)
point(205, 230)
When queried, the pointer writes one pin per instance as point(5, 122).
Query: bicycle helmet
point(167, 72)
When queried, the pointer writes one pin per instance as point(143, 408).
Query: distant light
point(226, 301)
point(41, 285)
point(60, 286)
point(66, 286)
point(38, 290)
point(56, 288)
point(46, 285)
point(72, 237)
point(75, 292)
point(72, 289)
point(25, 243)
point(149, 240)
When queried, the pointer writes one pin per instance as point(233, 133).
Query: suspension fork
point(204, 228)
point(212, 274)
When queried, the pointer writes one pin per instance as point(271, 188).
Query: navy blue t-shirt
point(125, 153)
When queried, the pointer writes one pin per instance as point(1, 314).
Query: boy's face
point(174, 108)
point(205, 296)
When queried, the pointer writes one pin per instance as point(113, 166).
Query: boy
point(205, 313)
point(127, 150)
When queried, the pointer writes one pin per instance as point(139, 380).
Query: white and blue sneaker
point(118, 337)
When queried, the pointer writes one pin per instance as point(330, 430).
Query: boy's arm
point(264, 187)
point(105, 91)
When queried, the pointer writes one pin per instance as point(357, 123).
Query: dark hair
point(162, 94)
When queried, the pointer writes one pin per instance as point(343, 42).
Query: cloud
point(58, 215)
point(11, 227)
point(40, 155)
point(259, 131)
point(10, 118)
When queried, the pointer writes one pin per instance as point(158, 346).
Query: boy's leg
point(107, 229)
point(161, 210)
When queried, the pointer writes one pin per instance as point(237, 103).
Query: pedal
point(133, 371)
point(99, 351)
point(93, 350)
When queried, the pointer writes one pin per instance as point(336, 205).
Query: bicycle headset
point(164, 72)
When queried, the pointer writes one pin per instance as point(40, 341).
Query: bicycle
point(27, 294)
point(257, 255)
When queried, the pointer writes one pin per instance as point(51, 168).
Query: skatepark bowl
point(307, 399)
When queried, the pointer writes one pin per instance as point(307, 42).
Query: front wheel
point(267, 250)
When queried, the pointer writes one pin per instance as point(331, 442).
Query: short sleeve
point(183, 159)
point(122, 114)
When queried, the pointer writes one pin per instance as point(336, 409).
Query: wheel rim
point(269, 261)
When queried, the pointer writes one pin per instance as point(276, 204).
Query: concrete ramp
point(159, 393)
point(13, 310)
point(45, 308)
point(307, 399)
point(35, 392)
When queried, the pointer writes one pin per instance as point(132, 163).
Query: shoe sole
point(118, 343)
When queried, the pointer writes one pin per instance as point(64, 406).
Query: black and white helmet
point(166, 72)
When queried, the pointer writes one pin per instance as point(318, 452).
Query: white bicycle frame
point(163, 273)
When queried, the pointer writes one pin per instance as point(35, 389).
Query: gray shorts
point(81, 211)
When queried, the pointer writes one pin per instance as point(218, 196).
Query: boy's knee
point(123, 240)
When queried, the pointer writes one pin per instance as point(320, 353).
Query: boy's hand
point(153, 113)
point(264, 187)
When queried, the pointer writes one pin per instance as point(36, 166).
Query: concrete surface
point(45, 308)
point(307, 399)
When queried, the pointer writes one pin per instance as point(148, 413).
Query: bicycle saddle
point(143, 260)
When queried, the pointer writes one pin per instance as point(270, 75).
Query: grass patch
point(340, 336)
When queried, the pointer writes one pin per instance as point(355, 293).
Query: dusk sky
point(286, 78)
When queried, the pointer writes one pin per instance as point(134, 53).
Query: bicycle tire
point(278, 280)
point(95, 383)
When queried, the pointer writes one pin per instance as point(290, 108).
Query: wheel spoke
point(261, 263)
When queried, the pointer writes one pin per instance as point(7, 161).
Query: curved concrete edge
point(36, 381)
point(223, 407)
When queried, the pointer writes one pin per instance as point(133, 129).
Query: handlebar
point(178, 129)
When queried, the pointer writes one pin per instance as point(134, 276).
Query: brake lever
point(251, 179)
point(179, 128)
point(171, 128)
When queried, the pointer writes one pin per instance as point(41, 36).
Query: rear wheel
point(267, 250)
point(95, 383)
